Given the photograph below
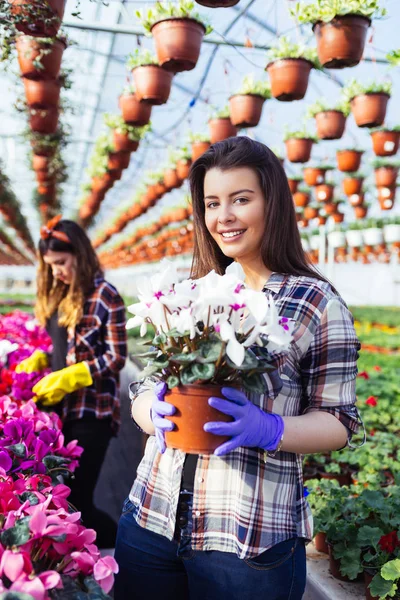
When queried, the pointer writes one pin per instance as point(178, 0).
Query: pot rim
point(179, 19)
point(370, 94)
point(272, 62)
point(337, 18)
point(253, 95)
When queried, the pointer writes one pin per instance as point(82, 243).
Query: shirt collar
point(275, 282)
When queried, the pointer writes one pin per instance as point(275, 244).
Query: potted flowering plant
point(220, 126)
point(386, 172)
point(126, 137)
point(385, 140)
point(368, 102)
point(352, 183)
point(316, 175)
point(294, 181)
point(340, 27)
point(200, 143)
point(152, 82)
point(330, 118)
point(299, 144)
point(178, 32)
point(324, 191)
point(301, 197)
point(246, 104)
point(40, 57)
point(210, 332)
point(349, 159)
point(183, 162)
point(171, 177)
point(134, 112)
point(289, 67)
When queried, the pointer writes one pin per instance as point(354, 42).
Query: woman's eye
point(241, 200)
point(212, 204)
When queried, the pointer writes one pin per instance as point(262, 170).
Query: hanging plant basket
point(310, 212)
point(369, 110)
point(289, 78)
point(221, 129)
point(349, 160)
point(40, 20)
point(178, 43)
point(356, 199)
point(386, 197)
point(330, 208)
point(217, 3)
point(324, 192)
point(301, 199)
point(115, 174)
point(183, 168)
point(293, 185)
point(338, 217)
point(134, 112)
point(122, 143)
point(152, 83)
point(44, 120)
point(298, 150)
point(171, 179)
point(340, 42)
point(246, 109)
point(40, 163)
point(385, 143)
point(47, 188)
point(360, 212)
point(198, 149)
point(32, 52)
point(44, 176)
point(314, 175)
point(352, 185)
point(193, 411)
point(42, 93)
point(330, 124)
point(386, 176)
point(118, 160)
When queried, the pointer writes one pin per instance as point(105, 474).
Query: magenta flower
point(104, 571)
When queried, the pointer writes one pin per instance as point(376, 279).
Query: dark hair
point(281, 247)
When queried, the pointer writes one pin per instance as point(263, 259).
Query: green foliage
point(162, 11)
point(221, 113)
point(393, 57)
point(199, 137)
point(326, 10)
point(251, 86)
point(141, 58)
point(299, 134)
point(377, 163)
point(324, 105)
point(355, 88)
point(116, 123)
point(287, 49)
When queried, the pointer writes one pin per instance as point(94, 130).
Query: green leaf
point(17, 535)
point(52, 461)
point(15, 596)
point(250, 362)
point(184, 358)
point(381, 588)
point(369, 536)
point(18, 449)
point(30, 496)
point(187, 376)
point(172, 382)
point(254, 383)
point(159, 339)
point(210, 351)
point(203, 372)
point(391, 570)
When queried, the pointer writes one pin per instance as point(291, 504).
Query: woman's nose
point(225, 215)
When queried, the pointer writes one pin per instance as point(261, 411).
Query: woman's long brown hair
point(54, 295)
point(281, 247)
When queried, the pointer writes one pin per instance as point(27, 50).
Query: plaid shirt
point(246, 502)
point(100, 339)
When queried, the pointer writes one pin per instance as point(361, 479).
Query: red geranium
point(371, 401)
point(377, 368)
point(389, 542)
point(364, 375)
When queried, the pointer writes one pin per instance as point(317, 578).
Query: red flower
point(389, 542)
point(364, 375)
point(371, 401)
point(372, 432)
point(377, 368)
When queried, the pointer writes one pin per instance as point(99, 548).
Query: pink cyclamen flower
point(104, 571)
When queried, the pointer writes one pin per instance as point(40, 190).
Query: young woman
point(234, 524)
point(85, 317)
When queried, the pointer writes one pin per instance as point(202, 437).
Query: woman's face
point(63, 265)
point(234, 211)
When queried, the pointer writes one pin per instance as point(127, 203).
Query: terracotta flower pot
point(245, 109)
point(386, 196)
point(43, 176)
point(356, 199)
point(193, 411)
point(385, 143)
point(293, 185)
point(178, 43)
point(334, 566)
point(310, 212)
point(118, 160)
point(330, 209)
point(41, 20)
point(221, 129)
point(369, 110)
point(183, 168)
point(320, 543)
point(340, 42)
point(171, 179)
point(351, 185)
point(115, 174)
point(330, 124)
point(47, 189)
point(40, 163)
point(314, 175)
point(301, 199)
point(298, 150)
point(134, 112)
point(360, 212)
point(368, 576)
point(31, 51)
point(122, 143)
point(44, 120)
point(178, 214)
point(324, 192)
point(386, 176)
point(101, 184)
point(42, 93)
point(217, 3)
point(386, 203)
point(289, 78)
point(152, 83)
point(198, 149)
point(348, 160)
point(338, 217)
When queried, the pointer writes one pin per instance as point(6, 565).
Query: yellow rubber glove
point(35, 362)
point(51, 389)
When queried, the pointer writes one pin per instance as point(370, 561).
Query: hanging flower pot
point(360, 212)
point(221, 129)
point(293, 184)
point(193, 411)
point(369, 110)
point(43, 120)
point(178, 214)
point(330, 124)
point(134, 112)
point(102, 183)
point(198, 149)
point(122, 143)
point(42, 93)
point(340, 42)
point(385, 142)
point(40, 19)
point(356, 199)
point(324, 192)
point(386, 175)
point(171, 179)
point(352, 185)
point(314, 175)
point(289, 78)
point(330, 208)
point(47, 189)
point(152, 83)
point(217, 3)
point(298, 150)
point(338, 217)
point(178, 43)
point(373, 236)
point(391, 233)
point(44, 176)
point(115, 174)
point(118, 160)
point(40, 163)
point(183, 168)
point(310, 212)
point(337, 239)
point(246, 109)
point(301, 199)
point(349, 160)
point(386, 197)
point(39, 58)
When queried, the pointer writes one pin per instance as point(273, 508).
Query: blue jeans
point(153, 568)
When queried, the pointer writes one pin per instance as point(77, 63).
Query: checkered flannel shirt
point(243, 502)
point(99, 339)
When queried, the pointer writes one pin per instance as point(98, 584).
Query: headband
point(48, 231)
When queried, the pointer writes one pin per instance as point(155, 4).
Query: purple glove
point(159, 410)
point(251, 427)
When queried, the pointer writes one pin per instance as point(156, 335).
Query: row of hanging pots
point(38, 18)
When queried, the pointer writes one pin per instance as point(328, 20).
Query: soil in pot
point(289, 78)
point(134, 112)
point(42, 93)
point(152, 83)
point(178, 43)
point(193, 411)
point(122, 143)
point(369, 110)
point(386, 176)
point(385, 143)
point(245, 109)
point(31, 52)
point(221, 129)
point(342, 478)
point(330, 124)
point(41, 20)
point(340, 42)
point(320, 542)
point(198, 149)
point(348, 160)
point(299, 150)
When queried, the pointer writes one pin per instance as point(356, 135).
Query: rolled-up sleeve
point(329, 367)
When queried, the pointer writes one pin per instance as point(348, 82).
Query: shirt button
point(200, 479)
point(197, 513)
